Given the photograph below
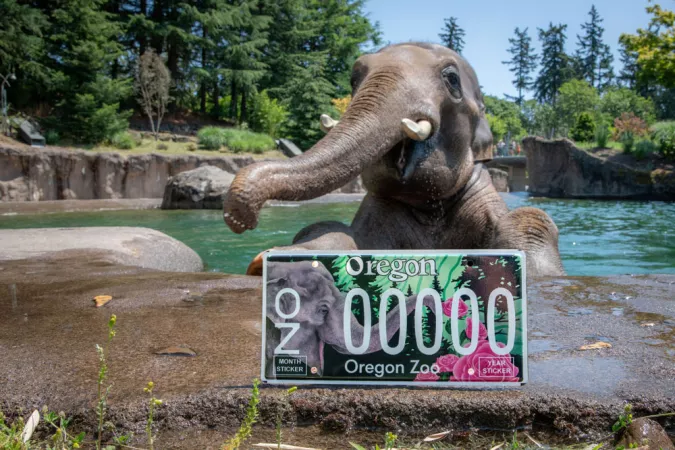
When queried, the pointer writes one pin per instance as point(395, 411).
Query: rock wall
point(559, 169)
point(56, 174)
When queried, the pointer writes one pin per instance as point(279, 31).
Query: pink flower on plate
point(482, 331)
point(427, 376)
point(485, 365)
point(446, 363)
point(462, 308)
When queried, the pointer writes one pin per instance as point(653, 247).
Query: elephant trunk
point(369, 128)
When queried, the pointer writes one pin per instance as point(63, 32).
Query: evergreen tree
point(594, 56)
point(436, 286)
point(452, 35)
point(410, 292)
point(522, 64)
point(628, 76)
point(83, 49)
point(556, 67)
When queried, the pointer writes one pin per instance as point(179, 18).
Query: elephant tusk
point(327, 123)
point(418, 131)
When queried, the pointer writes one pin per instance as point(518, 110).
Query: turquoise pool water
point(596, 237)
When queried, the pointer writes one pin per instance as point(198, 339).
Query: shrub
point(52, 137)
point(663, 134)
point(643, 149)
point(162, 146)
point(236, 140)
point(210, 138)
point(627, 139)
point(123, 140)
point(584, 128)
point(341, 104)
point(267, 115)
point(629, 123)
point(602, 134)
point(192, 147)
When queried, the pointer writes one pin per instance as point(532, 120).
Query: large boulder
point(560, 169)
point(129, 246)
point(645, 433)
point(201, 188)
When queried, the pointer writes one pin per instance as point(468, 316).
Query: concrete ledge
point(49, 327)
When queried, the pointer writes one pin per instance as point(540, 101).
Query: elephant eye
point(452, 81)
point(323, 310)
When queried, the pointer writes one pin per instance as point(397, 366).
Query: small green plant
point(389, 442)
point(627, 139)
point(663, 135)
point(10, 435)
point(52, 137)
point(153, 402)
point(602, 134)
point(246, 426)
point(584, 128)
point(625, 419)
point(162, 146)
point(643, 149)
point(280, 413)
point(123, 140)
point(236, 140)
point(192, 147)
point(59, 423)
point(102, 377)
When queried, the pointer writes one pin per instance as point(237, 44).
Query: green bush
point(584, 128)
point(602, 134)
point(663, 134)
point(52, 137)
point(237, 140)
point(627, 139)
point(643, 149)
point(123, 140)
point(267, 115)
point(210, 138)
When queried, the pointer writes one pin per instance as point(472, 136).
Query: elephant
point(320, 314)
point(416, 132)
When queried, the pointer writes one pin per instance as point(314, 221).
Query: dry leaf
point(532, 439)
point(177, 351)
point(596, 346)
point(436, 436)
point(497, 447)
point(648, 324)
point(101, 300)
point(282, 446)
point(30, 426)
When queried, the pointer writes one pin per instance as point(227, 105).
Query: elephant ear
point(482, 141)
point(273, 288)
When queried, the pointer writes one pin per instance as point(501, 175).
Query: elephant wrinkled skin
point(425, 188)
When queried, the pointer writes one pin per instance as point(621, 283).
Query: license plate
point(411, 318)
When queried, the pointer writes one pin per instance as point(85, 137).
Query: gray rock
point(500, 179)
point(559, 169)
point(288, 148)
point(201, 188)
point(645, 432)
point(130, 246)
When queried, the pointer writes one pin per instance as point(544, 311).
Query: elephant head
point(413, 130)
point(320, 313)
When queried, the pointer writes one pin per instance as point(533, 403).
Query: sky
point(490, 23)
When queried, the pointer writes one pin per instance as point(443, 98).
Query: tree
point(574, 98)
point(452, 35)
point(506, 117)
point(616, 101)
point(655, 47)
point(82, 49)
point(628, 76)
point(584, 128)
point(594, 56)
point(152, 84)
point(522, 64)
point(555, 64)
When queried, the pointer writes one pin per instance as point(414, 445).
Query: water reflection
point(596, 237)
